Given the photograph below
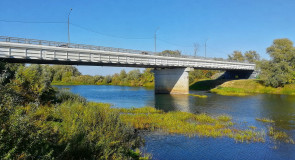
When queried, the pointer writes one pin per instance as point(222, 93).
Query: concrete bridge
point(171, 73)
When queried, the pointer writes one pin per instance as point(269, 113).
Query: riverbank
point(131, 84)
point(250, 87)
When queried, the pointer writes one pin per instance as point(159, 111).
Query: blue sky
point(227, 25)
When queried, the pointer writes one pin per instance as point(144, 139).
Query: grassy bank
point(249, 87)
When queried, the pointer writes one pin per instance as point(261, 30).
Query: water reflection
point(175, 102)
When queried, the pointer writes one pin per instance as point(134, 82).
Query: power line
point(91, 30)
point(108, 35)
point(76, 25)
point(9, 21)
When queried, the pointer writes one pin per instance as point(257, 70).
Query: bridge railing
point(93, 47)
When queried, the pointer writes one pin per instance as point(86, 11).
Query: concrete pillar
point(172, 81)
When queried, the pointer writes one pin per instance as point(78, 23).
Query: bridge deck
point(18, 50)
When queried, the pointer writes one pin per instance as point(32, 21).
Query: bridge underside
point(239, 74)
point(86, 63)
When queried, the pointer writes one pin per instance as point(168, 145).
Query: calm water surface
point(244, 110)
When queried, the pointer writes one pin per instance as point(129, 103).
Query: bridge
point(171, 73)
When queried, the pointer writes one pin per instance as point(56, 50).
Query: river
point(244, 110)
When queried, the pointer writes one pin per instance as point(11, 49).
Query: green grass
point(189, 124)
point(202, 125)
point(250, 87)
point(69, 130)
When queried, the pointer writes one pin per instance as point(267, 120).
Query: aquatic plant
point(279, 135)
point(188, 124)
point(266, 120)
point(199, 96)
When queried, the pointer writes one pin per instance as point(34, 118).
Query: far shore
point(222, 87)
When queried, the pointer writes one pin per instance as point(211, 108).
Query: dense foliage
point(197, 75)
point(249, 56)
point(170, 53)
point(280, 70)
point(38, 122)
point(70, 75)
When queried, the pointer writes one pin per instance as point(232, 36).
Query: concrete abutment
point(172, 81)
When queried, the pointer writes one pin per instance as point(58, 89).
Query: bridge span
point(171, 73)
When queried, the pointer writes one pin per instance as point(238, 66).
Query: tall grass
point(70, 130)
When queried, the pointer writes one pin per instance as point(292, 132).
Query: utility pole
point(69, 27)
point(156, 39)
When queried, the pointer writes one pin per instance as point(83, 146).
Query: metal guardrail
point(93, 47)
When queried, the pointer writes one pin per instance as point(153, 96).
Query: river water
point(244, 110)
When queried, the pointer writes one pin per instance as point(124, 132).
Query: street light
point(69, 26)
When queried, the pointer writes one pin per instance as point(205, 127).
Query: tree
point(122, 74)
point(32, 84)
point(252, 56)
point(107, 79)
point(64, 73)
point(280, 70)
point(134, 74)
point(170, 53)
point(282, 50)
point(236, 56)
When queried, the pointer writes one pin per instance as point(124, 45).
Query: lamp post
point(69, 26)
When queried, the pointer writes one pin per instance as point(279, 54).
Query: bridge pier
point(172, 81)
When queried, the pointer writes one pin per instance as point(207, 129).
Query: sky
point(225, 25)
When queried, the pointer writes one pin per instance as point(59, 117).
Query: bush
point(65, 95)
point(71, 130)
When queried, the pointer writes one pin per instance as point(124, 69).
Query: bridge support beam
point(172, 81)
